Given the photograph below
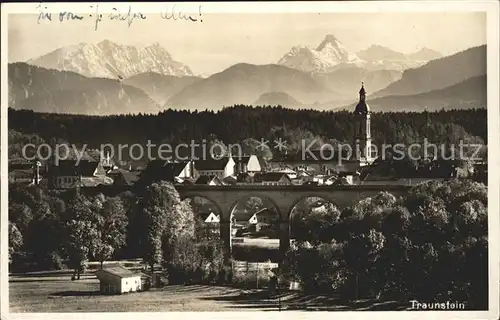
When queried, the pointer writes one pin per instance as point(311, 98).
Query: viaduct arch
point(283, 197)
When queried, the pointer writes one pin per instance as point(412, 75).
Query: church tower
point(362, 135)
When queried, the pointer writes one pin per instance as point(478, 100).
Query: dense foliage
point(158, 227)
point(429, 246)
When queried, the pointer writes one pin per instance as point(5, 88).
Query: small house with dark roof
point(208, 180)
point(273, 178)
point(162, 170)
point(221, 168)
point(118, 280)
point(124, 178)
point(68, 174)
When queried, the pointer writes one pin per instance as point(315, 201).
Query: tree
point(254, 204)
point(82, 236)
point(20, 214)
point(253, 146)
point(166, 217)
point(112, 224)
point(15, 240)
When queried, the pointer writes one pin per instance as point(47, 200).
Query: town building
point(208, 180)
point(247, 164)
point(221, 168)
point(362, 130)
point(210, 217)
point(123, 178)
point(67, 174)
point(170, 171)
point(118, 280)
point(273, 179)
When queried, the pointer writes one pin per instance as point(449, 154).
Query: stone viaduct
point(284, 198)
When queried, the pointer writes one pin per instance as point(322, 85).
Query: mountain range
point(110, 60)
point(160, 87)
point(108, 78)
point(332, 55)
point(244, 83)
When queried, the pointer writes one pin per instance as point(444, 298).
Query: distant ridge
point(468, 94)
point(439, 74)
point(53, 91)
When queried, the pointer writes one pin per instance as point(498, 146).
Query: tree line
point(55, 230)
point(237, 123)
point(246, 126)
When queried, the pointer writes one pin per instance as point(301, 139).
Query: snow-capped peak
point(330, 53)
point(110, 60)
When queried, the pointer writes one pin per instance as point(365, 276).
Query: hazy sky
point(222, 40)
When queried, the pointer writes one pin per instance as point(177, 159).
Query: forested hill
point(238, 123)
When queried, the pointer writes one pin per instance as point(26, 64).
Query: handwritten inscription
point(126, 16)
point(176, 14)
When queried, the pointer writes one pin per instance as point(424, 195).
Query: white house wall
point(229, 169)
point(130, 284)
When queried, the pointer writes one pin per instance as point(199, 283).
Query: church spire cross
point(362, 90)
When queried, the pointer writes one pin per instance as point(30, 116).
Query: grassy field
point(55, 292)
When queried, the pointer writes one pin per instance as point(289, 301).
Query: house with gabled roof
point(221, 168)
point(209, 217)
point(124, 178)
point(170, 171)
point(118, 279)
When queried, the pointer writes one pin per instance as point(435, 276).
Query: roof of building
point(83, 168)
point(204, 215)
point(230, 180)
point(206, 179)
point(241, 159)
point(211, 164)
point(163, 170)
point(96, 181)
point(128, 177)
point(271, 177)
point(118, 271)
point(244, 177)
